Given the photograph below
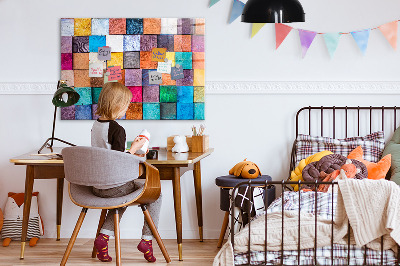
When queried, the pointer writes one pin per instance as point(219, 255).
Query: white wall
point(259, 127)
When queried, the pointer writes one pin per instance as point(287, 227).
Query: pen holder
point(200, 143)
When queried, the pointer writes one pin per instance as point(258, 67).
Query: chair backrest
point(91, 166)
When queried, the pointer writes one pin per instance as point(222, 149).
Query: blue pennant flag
point(237, 9)
point(361, 37)
point(213, 2)
point(332, 41)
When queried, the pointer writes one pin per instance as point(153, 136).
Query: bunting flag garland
point(281, 31)
point(361, 37)
point(213, 2)
point(389, 30)
point(332, 41)
point(237, 8)
point(256, 27)
point(306, 39)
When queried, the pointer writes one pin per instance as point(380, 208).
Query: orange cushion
point(375, 170)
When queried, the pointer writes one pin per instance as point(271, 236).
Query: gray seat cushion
point(83, 196)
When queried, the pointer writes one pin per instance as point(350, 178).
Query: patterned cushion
point(372, 144)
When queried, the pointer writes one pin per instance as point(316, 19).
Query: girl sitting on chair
point(106, 133)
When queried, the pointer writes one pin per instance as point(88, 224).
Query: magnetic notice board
point(175, 92)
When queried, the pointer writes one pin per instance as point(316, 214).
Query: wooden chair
point(85, 167)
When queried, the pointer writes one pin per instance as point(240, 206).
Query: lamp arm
point(54, 127)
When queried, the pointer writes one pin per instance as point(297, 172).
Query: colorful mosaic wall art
point(161, 60)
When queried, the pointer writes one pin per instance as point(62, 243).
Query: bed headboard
point(344, 121)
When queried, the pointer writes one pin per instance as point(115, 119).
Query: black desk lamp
point(64, 96)
point(273, 11)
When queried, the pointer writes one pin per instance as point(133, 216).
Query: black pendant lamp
point(273, 11)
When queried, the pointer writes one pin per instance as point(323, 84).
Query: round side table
point(226, 183)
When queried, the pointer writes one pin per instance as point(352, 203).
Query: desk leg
point(176, 182)
point(27, 206)
point(60, 190)
point(199, 204)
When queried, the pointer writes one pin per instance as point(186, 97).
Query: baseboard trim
point(247, 87)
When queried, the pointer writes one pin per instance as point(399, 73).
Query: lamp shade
point(71, 99)
point(273, 11)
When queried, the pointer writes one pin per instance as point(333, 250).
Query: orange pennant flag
point(389, 30)
point(281, 31)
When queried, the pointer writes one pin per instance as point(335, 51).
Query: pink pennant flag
point(389, 30)
point(281, 31)
point(306, 39)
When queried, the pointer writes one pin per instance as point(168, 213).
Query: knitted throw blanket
point(371, 206)
point(373, 209)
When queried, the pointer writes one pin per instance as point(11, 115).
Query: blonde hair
point(112, 99)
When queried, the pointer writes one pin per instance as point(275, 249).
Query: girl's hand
point(137, 144)
point(143, 155)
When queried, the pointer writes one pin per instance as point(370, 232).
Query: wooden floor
point(50, 252)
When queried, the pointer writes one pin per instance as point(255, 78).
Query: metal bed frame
point(284, 184)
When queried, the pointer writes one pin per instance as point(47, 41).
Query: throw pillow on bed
point(393, 148)
point(375, 170)
point(372, 144)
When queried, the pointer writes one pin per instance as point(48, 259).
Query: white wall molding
point(303, 87)
point(249, 87)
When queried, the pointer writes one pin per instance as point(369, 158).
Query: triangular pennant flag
point(332, 41)
point(281, 31)
point(306, 39)
point(213, 2)
point(390, 32)
point(237, 9)
point(256, 27)
point(361, 37)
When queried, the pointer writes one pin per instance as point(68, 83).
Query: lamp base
point(50, 146)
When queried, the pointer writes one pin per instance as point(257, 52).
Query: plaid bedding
point(372, 145)
point(340, 253)
point(322, 207)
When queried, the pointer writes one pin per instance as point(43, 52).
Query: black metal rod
point(346, 120)
point(365, 255)
point(315, 222)
point(266, 220)
point(283, 210)
point(309, 120)
point(249, 220)
point(334, 121)
point(233, 218)
point(322, 121)
point(54, 128)
point(348, 242)
point(358, 121)
point(333, 189)
point(298, 226)
point(370, 120)
point(381, 250)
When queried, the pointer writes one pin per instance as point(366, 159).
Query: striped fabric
point(372, 145)
point(340, 253)
point(322, 207)
point(13, 228)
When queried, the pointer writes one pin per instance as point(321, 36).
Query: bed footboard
point(344, 259)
